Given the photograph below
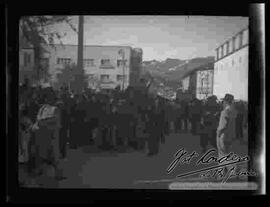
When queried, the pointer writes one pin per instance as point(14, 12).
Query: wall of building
point(26, 65)
point(231, 67)
point(93, 56)
point(231, 75)
point(199, 83)
point(204, 86)
point(185, 83)
point(193, 84)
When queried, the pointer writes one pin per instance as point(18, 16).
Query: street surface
point(88, 167)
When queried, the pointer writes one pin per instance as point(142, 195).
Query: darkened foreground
point(90, 130)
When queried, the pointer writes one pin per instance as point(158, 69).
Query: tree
point(35, 30)
point(66, 77)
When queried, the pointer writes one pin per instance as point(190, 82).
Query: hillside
point(173, 69)
point(168, 73)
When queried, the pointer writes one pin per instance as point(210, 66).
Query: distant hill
point(170, 71)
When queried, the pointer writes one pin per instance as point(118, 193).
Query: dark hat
point(212, 98)
point(228, 98)
point(48, 94)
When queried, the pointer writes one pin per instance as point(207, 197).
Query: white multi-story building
point(110, 66)
point(199, 81)
point(26, 63)
point(231, 67)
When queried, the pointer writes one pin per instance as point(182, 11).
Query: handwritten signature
point(225, 167)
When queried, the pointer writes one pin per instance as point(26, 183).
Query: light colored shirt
point(46, 111)
point(49, 115)
point(227, 120)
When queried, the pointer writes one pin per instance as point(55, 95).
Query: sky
point(160, 37)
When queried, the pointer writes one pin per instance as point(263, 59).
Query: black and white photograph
point(136, 102)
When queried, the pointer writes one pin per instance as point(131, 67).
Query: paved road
point(88, 167)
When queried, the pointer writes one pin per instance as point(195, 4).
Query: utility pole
point(79, 73)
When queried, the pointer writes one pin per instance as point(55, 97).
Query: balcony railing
point(106, 67)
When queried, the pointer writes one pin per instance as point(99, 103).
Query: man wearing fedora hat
point(226, 127)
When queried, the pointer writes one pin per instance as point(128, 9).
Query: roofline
point(233, 52)
point(200, 68)
point(91, 45)
point(245, 28)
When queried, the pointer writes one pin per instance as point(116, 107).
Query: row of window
point(204, 90)
point(106, 78)
point(238, 41)
point(64, 61)
point(91, 62)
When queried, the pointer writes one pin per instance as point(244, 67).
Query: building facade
point(26, 63)
point(199, 82)
point(105, 66)
point(231, 67)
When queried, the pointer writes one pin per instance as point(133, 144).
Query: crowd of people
point(50, 119)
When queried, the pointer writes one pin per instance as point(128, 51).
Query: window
point(245, 37)
point(120, 77)
point(27, 59)
point(237, 40)
point(88, 62)
point(221, 50)
point(64, 61)
point(233, 44)
point(228, 46)
point(106, 64)
point(104, 78)
point(240, 39)
point(224, 49)
point(217, 54)
point(121, 63)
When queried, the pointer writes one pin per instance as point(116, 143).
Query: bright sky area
point(160, 37)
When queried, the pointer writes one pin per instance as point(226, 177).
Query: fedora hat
point(228, 98)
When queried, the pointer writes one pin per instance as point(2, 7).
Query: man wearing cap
point(226, 127)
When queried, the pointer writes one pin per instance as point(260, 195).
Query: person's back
point(197, 108)
point(229, 114)
point(210, 111)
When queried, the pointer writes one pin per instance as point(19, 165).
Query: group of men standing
point(116, 121)
point(50, 119)
point(202, 118)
